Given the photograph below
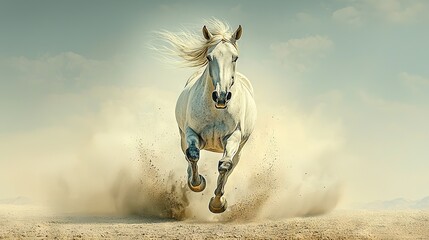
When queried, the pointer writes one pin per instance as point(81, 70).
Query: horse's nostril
point(215, 96)
point(228, 96)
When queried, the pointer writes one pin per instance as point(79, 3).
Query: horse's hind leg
point(228, 162)
point(190, 146)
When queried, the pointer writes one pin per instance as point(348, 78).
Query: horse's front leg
point(196, 182)
point(229, 160)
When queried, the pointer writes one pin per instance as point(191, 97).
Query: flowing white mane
point(191, 47)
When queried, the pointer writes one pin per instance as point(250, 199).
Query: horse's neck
point(206, 84)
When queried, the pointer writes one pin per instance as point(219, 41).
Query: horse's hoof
point(198, 188)
point(218, 205)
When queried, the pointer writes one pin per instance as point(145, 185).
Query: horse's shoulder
point(194, 77)
point(246, 83)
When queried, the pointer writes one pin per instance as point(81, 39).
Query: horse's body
point(216, 110)
point(194, 109)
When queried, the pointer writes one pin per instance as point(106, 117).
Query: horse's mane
point(190, 47)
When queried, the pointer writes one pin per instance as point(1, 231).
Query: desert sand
point(33, 222)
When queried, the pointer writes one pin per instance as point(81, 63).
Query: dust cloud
point(126, 159)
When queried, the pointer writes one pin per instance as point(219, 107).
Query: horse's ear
point(206, 33)
point(237, 33)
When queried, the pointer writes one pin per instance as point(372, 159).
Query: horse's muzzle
point(221, 99)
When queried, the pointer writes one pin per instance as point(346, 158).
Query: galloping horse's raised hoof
point(218, 205)
point(198, 188)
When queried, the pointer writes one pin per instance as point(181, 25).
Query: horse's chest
point(212, 135)
point(212, 129)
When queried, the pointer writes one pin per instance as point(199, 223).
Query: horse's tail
point(191, 48)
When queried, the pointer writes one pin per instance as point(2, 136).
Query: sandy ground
point(31, 222)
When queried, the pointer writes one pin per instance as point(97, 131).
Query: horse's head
point(222, 59)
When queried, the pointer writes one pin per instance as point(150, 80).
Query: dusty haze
point(126, 159)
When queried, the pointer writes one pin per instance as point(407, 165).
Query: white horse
point(216, 110)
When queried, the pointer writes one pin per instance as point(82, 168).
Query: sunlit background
point(78, 81)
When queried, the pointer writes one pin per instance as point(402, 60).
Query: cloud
point(67, 70)
point(47, 68)
point(348, 15)
point(301, 54)
point(391, 11)
point(40, 87)
point(415, 82)
point(386, 106)
point(397, 11)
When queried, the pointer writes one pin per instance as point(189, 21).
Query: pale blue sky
point(362, 63)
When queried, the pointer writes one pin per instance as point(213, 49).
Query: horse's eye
point(234, 59)
point(209, 58)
